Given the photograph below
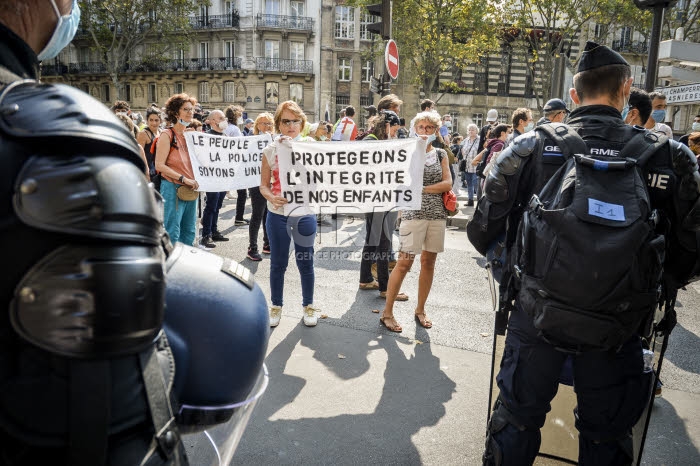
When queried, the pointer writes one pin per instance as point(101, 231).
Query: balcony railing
point(216, 21)
point(146, 66)
point(302, 23)
point(284, 65)
point(630, 46)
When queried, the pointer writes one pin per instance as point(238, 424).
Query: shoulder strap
point(642, 146)
point(566, 138)
point(173, 141)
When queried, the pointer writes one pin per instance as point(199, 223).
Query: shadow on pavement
point(668, 441)
point(684, 356)
point(413, 396)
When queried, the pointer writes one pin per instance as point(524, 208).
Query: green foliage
point(435, 36)
point(118, 28)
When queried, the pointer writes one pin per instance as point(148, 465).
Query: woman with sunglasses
point(289, 120)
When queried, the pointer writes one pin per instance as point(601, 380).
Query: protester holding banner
point(422, 231)
point(173, 163)
point(264, 124)
point(379, 225)
point(215, 199)
point(289, 120)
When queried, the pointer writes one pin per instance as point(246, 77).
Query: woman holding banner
point(422, 231)
point(379, 226)
point(289, 120)
point(178, 186)
point(264, 123)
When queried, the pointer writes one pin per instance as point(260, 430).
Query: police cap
point(596, 55)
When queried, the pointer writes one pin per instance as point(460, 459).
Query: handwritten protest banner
point(367, 175)
point(221, 163)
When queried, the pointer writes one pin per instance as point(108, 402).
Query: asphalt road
point(350, 392)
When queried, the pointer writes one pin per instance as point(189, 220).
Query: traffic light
point(383, 10)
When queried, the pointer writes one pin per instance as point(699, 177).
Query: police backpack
point(587, 258)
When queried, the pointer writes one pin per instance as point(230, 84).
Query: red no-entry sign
point(391, 59)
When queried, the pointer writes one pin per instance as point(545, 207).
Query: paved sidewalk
point(349, 392)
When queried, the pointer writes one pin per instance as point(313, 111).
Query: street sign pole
point(391, 66)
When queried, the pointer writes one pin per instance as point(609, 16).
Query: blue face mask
point(529, 127)
point(625, 112)
point(659, 115)
point(431, 138)
point(184, 123)
point(65, 30)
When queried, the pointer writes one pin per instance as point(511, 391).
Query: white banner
point(221, 163)
point(365, 175)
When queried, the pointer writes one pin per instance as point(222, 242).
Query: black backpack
point(587, 258)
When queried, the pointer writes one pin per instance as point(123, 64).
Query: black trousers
point(259, 205)
point(379, 226)
point(241, 197)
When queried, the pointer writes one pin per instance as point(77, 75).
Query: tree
point(117, 29)
point(437, 36)
point(545, 32)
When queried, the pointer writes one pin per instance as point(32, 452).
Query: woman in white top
point(289, 120)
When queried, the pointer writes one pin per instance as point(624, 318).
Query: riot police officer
point(610, 387)
point(86, 371)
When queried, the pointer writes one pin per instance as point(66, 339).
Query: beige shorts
point(422, 235)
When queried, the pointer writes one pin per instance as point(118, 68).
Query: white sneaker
point(310, 318)
point(275, 315)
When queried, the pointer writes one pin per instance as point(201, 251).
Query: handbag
point(185, 193)
point(449, 200)
point(463, 165)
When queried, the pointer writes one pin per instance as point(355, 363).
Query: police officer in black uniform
point(86, 371)
point(608, 383)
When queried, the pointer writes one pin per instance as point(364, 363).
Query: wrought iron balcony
point(284, 65)
point(146, 66)
point(301, 23)
point(625, 46)
point(231, 20)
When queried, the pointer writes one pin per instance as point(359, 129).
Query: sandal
point(425, 322)
point(392, 328)
point(370, 286)
point(399, 297)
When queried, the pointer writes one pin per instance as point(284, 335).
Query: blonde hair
point(263, 116)
point(293, 107)
point(432, 117)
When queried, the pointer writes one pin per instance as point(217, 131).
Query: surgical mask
point(448, 124)
point(66, 27)
point(529, 127)
point(659, 115)
point(223, 124)
point(696, 126)
point(625, 112)
point(322, 138)
point(239, 121)
point(184, 123)
point(430, 138)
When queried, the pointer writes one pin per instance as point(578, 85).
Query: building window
point(625, 37)
point(152, 94)
point(204, 91)
point(179, 89)
point(478, 119)
point(84, 55)
point(296, 50)
point(203, 10)
point(344, 22)
point(344, 69)
point(106, 97)
point(204, 50)
point(85, 87)
point(367, 71)
point(229, 54)
point(272, 7)
point(365, 20)
point(504, 74)
point(272, 93)
point(228, 7)
point(341, 101)
point(297, 8)
point(455, 122)
point(229, 91)
point(366, 100)
point(272, 49)
point(481, 73)
point(296, 93)
point(127, 92)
